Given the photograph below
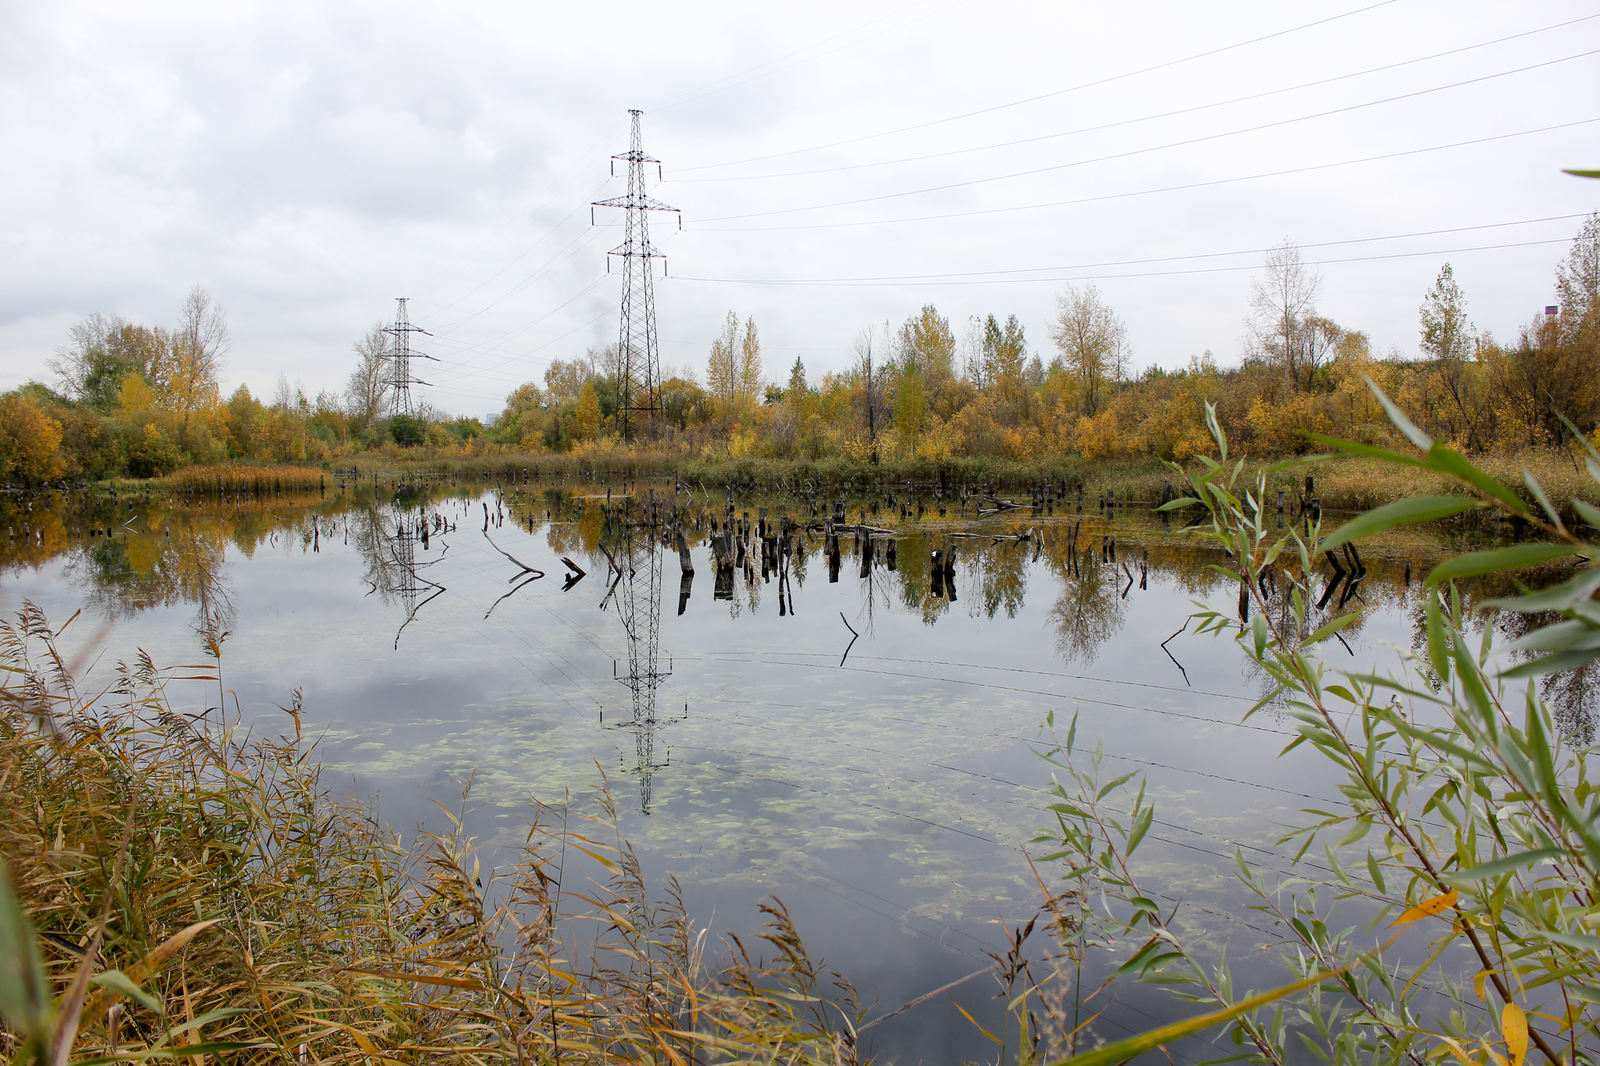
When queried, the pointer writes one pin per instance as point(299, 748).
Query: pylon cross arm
point(634, 203)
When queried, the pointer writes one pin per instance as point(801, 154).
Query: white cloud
point(308, 163)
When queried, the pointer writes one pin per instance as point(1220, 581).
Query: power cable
point(1162, 189)
point(1142, 118)
point(1153, 148)
point(1049, 95)
point(1149, 273)
point(1163, 259)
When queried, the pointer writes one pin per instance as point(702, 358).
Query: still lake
point(851, 734)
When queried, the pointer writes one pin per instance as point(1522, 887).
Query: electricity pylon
point(399, 357)
point(638, 361)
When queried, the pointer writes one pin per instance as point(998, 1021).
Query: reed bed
point(229, 904)
point(241, 479)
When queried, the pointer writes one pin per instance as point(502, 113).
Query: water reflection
point(388, 544)
point(128, 556)
point(635, 595)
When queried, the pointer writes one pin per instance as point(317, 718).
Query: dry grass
point(326, 939)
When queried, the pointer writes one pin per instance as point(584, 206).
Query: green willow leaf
point(1123, 1050)
point(1366, 450)
point(1399, 513)
point(1555, 598)
point(1495, 560)
point(120, 983)
point(1446, 460)
point(1398, 417)
point(1491, 870)
point(1552, 664)
point(24, 995)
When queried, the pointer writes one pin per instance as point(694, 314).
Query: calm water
point(883, 785)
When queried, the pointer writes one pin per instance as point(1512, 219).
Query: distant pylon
point(638, 361)
point(399, 358)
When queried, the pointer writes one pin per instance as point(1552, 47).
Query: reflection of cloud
point(1088, 612)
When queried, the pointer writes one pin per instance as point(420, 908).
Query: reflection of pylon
point(402, 580)
point(640, 610)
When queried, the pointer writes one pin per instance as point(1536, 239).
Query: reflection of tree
point(1089, 611)
point(183, 563)
point(1002, 579)
point(1571, 694)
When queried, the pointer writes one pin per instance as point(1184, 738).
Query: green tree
point(522, 414)
point(407, 430)
point(1005, 353)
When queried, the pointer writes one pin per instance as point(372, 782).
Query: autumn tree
point(563, 381)
point(185, 371)
point(1282, 305)
point(929, 345)
point(749, 364)
point(586, 417)
point(30, 440)
point(1449, 338)
point(367, 396)
point(104, 351)
point(796, 391)
point(1578, 293)
point(1093, 345)
point(722, 367)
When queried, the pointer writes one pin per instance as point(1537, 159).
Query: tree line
point(141, 401)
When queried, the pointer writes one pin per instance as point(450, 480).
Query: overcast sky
point(837, 165)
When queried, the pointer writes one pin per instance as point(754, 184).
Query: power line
point(1050, 95)
point(1143, 118)
point(1146, 274)
point(1153, 148)
point(1165, 259)
point(1162, 189)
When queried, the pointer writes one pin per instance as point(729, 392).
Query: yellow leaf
point(1427, 908)
point(1514, 1026)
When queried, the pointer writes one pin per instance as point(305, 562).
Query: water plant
point(1470, 819)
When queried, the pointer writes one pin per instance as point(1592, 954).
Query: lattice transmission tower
point(399, 358)
point(638, 362)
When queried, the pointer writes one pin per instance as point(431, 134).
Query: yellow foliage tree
point(586, 418)
point(30, 441)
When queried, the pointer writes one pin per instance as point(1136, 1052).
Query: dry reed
point(331, 940)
